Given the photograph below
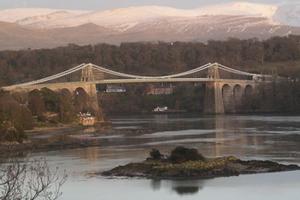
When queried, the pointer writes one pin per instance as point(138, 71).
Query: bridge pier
point(213, 99)
point(93, 102)
point(91, 90)
point(87, 75)
point(228, 98)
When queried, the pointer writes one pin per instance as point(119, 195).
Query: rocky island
point(188, 163)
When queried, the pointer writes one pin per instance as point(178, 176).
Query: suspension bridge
point(222, 91)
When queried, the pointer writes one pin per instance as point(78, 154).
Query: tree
point(155, 154)
point(36, 103)
point(66, 107)
point(30, 180)
point(51, 100)
point(14, 119)
point(181, 154)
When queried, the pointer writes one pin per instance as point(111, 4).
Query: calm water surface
point(274, 138)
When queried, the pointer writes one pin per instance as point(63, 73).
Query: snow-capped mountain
point(151, 23)
point(13, 15)
point(43, 20)
point(240, 8)
point(288, 14)
point(47, 18)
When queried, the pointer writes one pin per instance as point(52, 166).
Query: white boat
point(160, 109)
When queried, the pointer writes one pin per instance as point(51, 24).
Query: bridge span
point(220, 93)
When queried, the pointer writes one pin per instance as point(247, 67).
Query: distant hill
point(47, 28)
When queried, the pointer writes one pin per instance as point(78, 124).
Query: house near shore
point(115, 89)
point(86, 119)
point(160, 90)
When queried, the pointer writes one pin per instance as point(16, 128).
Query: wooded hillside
point(279, 54)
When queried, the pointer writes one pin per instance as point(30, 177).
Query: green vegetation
point(182, 154)
point(185, 159)
point(208, 164)
point(155, 154)
point(283, 97)
point(20, 112)
point(14, 119)
point(185, 97)
point(53, 107)
point(188, 163)
point(281, 54)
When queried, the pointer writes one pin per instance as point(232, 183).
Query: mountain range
point(46, 28)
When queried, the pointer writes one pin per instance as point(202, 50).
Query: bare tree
point(30, 180)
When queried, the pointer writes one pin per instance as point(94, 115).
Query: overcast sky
point(108, 4)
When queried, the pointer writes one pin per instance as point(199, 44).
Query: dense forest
point(279, 55)
point(283, 97)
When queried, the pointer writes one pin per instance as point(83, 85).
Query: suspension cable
point(125, 75)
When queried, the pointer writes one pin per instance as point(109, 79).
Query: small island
point(185, 163)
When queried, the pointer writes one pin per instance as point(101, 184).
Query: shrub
point(14, 119)
point(10, 133)
point(181, 154)
point(155, 154)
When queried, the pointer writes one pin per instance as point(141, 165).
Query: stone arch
point(248, 98)
point(33, 91)
point(36, 102)
point(21, 97)
point(67, 109)
point(248, 91)
point(225, 87)
point(51, 99)
point(65, 91)
point(81, 100)
point(227, 97)
point(80, 91)
point(237, 90)
point(66, 94)
point(237, 96)
point(86, 100)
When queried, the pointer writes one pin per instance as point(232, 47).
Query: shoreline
point(185, 163)
point(69, 136)
point(37, 140)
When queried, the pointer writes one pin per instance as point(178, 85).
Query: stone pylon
point(213, 100)
point(87, 76)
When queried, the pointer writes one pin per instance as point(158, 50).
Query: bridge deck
point(129, 81)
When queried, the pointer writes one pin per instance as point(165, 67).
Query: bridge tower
point(213, 72)
point(87, 76)
point(213, 99)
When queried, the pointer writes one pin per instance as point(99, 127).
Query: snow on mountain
point(288, 14)
point(13, 15)
point(240, 8)
point(40, 21)
point(125, 18)
point(22, 28)
point(35, 17)
point(135, 15)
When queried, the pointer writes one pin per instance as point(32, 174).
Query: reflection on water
point(249, 137)
point(181, 187)
point(186, 190)
point(262, 137)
